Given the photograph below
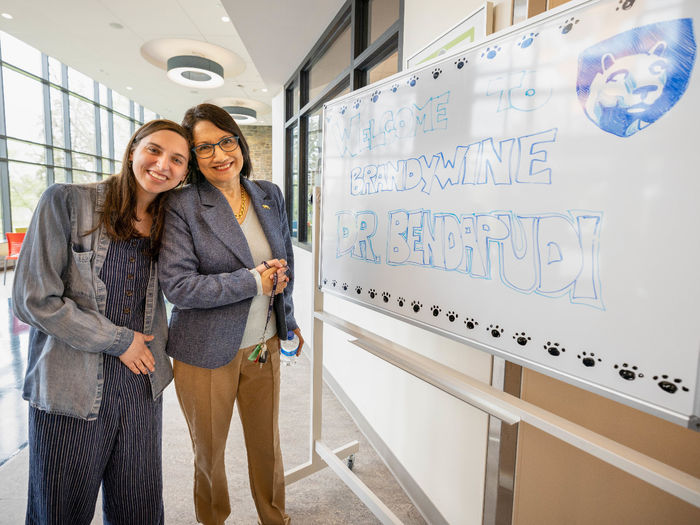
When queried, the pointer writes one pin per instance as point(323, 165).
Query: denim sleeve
point(39, 292)
point(284, 229)
point(180, 277)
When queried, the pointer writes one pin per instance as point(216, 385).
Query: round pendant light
point(242, 115)
point(195, 71)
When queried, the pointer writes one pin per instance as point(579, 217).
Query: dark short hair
point(222, 120)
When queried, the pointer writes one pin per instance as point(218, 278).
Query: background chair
point(14, 244)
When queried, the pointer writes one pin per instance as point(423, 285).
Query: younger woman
point(87, 283)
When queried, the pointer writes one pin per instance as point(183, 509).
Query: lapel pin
point(266, 206)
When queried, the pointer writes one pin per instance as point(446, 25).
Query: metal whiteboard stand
point(509, 409)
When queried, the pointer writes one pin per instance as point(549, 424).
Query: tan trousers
point(207, 397)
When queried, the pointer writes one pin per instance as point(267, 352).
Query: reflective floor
point(14, 337)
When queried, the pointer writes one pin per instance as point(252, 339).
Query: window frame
point(364, 55)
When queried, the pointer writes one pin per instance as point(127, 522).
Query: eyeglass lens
point(227, 144)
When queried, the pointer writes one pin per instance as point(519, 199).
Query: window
point(65, 142)
point(360, 46)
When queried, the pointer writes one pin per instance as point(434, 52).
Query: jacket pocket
point(80, 278)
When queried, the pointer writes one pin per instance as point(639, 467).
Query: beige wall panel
point(556, 3)
point(557, 483)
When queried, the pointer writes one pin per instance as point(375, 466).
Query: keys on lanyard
point(260, 353)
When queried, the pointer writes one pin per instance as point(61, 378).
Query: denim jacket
point(57, 290)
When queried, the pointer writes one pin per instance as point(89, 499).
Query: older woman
point(226, 264)
point(87, 283)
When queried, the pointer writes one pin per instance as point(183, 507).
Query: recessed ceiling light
point(7, 15)
point(195, 71)
point(242, 115)
point(129, 88)
point(225, 19)
point(264, 90)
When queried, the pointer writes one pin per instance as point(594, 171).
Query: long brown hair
point(222, 120)
point(119, 213)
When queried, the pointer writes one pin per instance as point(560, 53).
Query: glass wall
point(59, 126)
point(360, 46)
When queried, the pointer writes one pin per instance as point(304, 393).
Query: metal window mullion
point(48, 129)
point(110, 130)
point(289, 175)
point(142, 115)
point(4, 165)
point(98, 130)
point(303, 178)
point(132, 124)
point(68, 143)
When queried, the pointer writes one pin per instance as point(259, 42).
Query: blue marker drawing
point(520, 160)
point(551, 254)
point(629, 81)
point(355, 231)
point(521, 91)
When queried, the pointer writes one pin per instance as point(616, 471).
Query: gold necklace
point(241, 212)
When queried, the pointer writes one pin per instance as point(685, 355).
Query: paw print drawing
point(385, 296)
point(470, 323)
point(412, 80)
point(394, 87)
point(325, 282)
point(461, 62)
point(625, 5)
point(669, 387)
point(416, 305)
point(343, 109)
point(357, 103)
point(375, 95)
point(436, 72)
point(627, 372)
point(345, 286)
point(554, 349)
point(521, 338)
point(495, 330)
point(451, 316)
point(334, 282)
point(436, 310)
point(491, 52)
point(568, 25)
point(527, 40)
point(358, 289)
point(588, 359)
point(401, 301)
point(372, 293)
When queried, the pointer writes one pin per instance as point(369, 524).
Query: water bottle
point(289, 348)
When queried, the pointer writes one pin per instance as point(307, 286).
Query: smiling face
point(223, 168)
point(159, 162)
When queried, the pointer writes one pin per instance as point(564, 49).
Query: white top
point(260, 249)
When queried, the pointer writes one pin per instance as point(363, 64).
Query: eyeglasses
point(227, 144)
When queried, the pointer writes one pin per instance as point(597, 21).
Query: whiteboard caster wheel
point(351, 461)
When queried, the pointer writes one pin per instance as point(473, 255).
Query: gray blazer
point(204, 265)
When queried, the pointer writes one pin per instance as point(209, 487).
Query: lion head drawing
point(627, 82)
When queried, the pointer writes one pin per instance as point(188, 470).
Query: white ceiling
point(271, 37)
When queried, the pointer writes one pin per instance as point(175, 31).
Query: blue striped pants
point(70, 457)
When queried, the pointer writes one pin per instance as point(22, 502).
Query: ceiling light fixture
point(242, 115)
point(225, 19)
point(7, 15)
point(195, 71)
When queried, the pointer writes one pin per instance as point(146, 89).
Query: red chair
point(14, 244)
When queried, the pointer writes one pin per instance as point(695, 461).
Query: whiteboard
point(536, 197)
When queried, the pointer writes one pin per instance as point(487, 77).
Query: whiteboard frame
point(691, 421)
